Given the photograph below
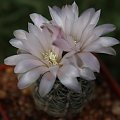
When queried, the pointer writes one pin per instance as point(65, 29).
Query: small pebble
point(108, 118)
point(26, 91)
point(116, 108)
point(3, 94)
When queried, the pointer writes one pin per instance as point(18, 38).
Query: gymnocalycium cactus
point(56, 57)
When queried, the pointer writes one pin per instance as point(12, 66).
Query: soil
point(18, 104)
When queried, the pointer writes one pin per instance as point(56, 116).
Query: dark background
point(14, 14)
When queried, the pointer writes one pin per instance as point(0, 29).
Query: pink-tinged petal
point(75, 9)
point(90, 61)
point(54, 70)
point(29, 78)
point(33, 29)
point(47, 39)
point(85, 36)
point(76, 61)
point(15, 59)
point(86, 74)
point(20, 34)
point(62, 44)
point(27, 65)
point(106, 42)
point(56, 31)
point(69, 70)
point(40, 35)
point(71, 42)
point(82, 22)
point(88, 31)
point(65, 59)
point(72, 60)
point(57, 9)
point(101, 42)
point(33, 45)
point(38, 19)
point(95, 18)
point(46, 84)
point(89, 40)
point(17, 43)
point(43, 37)
point(106, 50)
point(69, 82)
point(68, 25)
point(67, 12)
point(55, 17)
point(104, 29)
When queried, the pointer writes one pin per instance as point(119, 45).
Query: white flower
point(39, 57)
point(40, 51)
point(80, 36)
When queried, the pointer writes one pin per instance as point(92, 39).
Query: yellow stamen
point(51, 57)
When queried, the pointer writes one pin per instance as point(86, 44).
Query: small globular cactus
point(60, 101)
point(57, 57)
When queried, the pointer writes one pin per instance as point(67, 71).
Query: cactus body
point(61, 101)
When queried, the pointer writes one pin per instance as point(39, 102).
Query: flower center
point(51, 57)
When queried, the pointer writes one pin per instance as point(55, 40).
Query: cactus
point(62, 101)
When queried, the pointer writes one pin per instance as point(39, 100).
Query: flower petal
point(55, 17)
point(46, 84)
point(70, 82)
point(57, 9)
point(68, 25)
point(62, 44)
point(27, 65)
point(74, 60)
point(33, 29)
point(66, 58)
point(17, 43)
point(15, 59)
point(55, 30)
point(75, 9)
point(86, 74)
point(107, 50)
point(90, 61)
point(43, 37)
point(82, 22)
point(85, 36)
point(70, 71)
point(38, 19)
point(104, 29)
point(67, 76)
point(95, 18)
point(105, 42)
point(54, 70)
point(33, 45)
point(20, 34)
point(29, 78)
point(101, 42)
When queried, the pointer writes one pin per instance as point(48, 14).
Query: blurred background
point(14, 14)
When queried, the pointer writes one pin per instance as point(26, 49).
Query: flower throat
point(51, 57)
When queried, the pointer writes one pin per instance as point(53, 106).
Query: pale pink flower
point(39, 57)
point(80, 36)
